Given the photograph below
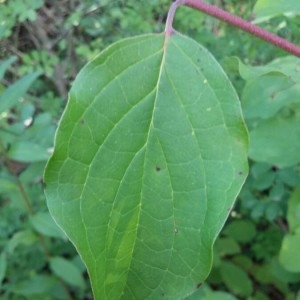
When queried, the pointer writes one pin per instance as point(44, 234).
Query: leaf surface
point(44, 224)
point(289, 252)
point(289, 255)
point(11, 96)
point(3, 266)
point(149, 157)
point(5, 65)
point(67, 271)
point(266, 95)
point(270, 143)
point(293, 213)
point(27, 151)
point(236, 279)
point(266, 9)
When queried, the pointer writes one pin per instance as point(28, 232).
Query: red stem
point(234, 20)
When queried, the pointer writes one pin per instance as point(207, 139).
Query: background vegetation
point(43, 45)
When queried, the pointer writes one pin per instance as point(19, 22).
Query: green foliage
point(25, 144)
point(138, 139)
point(289, 253)
point(270, 102)
point(46, 43)
point(67, 271)
point(266, 9)
point(273, 112)
point(10, 96)
point(206, 293)
point(15, 11)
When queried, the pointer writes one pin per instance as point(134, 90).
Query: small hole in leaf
point(157, 169)
point(176, 230)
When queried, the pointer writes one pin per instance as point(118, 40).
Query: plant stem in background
point(235, 21)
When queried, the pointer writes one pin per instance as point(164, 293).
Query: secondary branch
point(235, 21)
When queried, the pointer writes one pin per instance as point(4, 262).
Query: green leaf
point(37, 285)
point(267, 94)
point(290, 176)
point(243, 261)
point(248, 72)
point(204, 293)
point(219, 296)
point(272, 211)
point(26, 151)
point(236, 279)
point(277, 192)
point(7, 183)
point(266, 9)
point(269, 88)
point(289, 255)
point(25, 237)
point(281, 274)
point(67, 271)
point(32, 173)
point(149, 157)
point(5, 64)
point(287, 65)
point(263, 181)
point(293, 213)
point(276, 141)
point(11, 96)
point(44, 224)
point(240, 230)
point(227, 246)
point(3, 266)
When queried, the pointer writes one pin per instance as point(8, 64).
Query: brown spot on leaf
point(198, 285)
point(157, 169)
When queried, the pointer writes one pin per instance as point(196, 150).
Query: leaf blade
point(13, 93)
point(143, 137)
